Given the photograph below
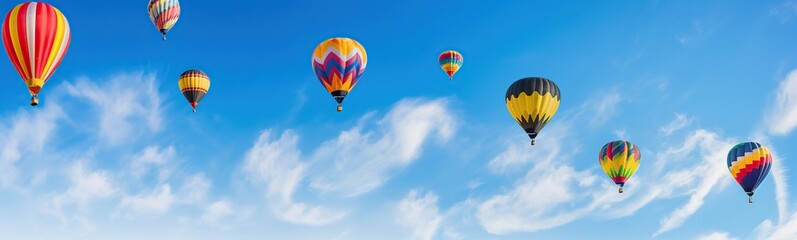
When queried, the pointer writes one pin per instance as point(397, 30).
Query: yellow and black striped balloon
point(194, 84)
point(532, 102)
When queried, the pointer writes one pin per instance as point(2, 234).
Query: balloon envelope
point(36, 36)
point(339, 63)
point(450, 61)
point(619, 160)
point(749, 163)
point(194, 84)
point(164, 14)
point(532, 102)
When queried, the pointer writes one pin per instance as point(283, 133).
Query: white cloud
point(519, 153)
point(571, 195)
point(604, 109)
point(419, 214)
point(194, 190)
point(359, 161)
point(785, 11)
point(524, 210)
point(152, 156)
point(782, 116)
point(621, 134)
point(786, 230)
point(121, 102)
point(475, 183)
point(277, 164)
point(155, 202)
point(215, 211)
point(24, 133)
point(716, 236)
point(713, 151)
point(301, 213)
point(85, 186)
point(678, 123)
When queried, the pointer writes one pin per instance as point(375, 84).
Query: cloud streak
point(360, 160)
point(782, 117)
point(419, 213)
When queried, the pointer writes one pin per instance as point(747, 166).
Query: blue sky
point(114, 152)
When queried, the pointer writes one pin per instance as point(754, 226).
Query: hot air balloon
point(749, 164)
point(532, 102)
point(36, 36)
point(164, 14)
point(619, 160)
point(450, 61)
point(194, 84)
point(339, 63)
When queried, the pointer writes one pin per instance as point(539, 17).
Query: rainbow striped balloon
point(164, 14)
point(36, 36)
point(749, 164)
point(619, 160)
point(450, 61)
point(339, 63)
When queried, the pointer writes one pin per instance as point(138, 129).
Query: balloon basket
point(34, 101)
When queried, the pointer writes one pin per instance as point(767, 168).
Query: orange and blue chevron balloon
point(164, 14)
point(749, 164)
point(450, 61)
point(619, 160)
point(339, 63)
point(194, 84)
point(36, 36)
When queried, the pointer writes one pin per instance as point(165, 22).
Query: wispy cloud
point(26, 132)
point(713, 151)
point(716, 236)
point(680, 122)
point(120, 102)
point(152, 156)
point(518, 153)
point(419, 213)
point(277, 163)
point(154, 202)
point(215, 211)
point(523, 210)
point(85, 186)
point(786, 230)
point(785, 11)
point(702, 28)
point(782, 117)
point(604, 109)
point(360, 160)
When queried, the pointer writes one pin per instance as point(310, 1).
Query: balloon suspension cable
point(34, 100)
point(750, 200)
point(340, 107)
point(620, 190)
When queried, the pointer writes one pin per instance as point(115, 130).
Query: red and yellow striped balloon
point(36, 36)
